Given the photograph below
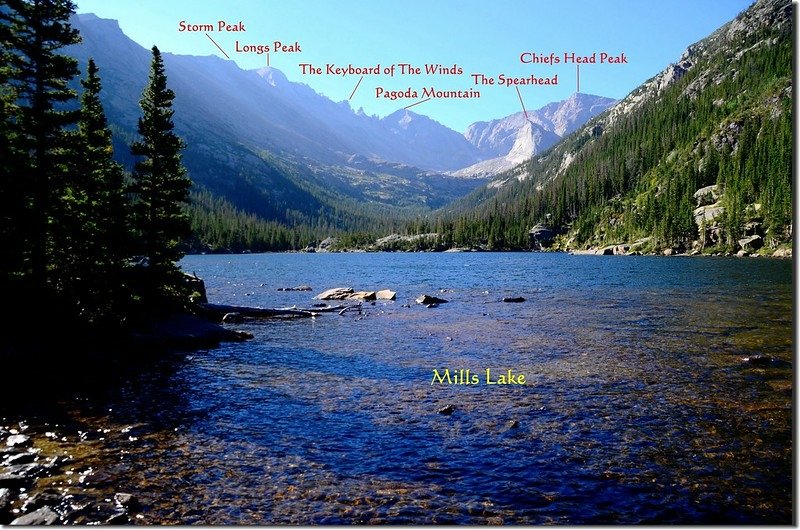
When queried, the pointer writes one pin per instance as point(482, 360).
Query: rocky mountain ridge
point(516, 138)
point(715, 126)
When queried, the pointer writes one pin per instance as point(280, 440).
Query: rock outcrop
point(751, 244)
point(347, 293)
point(428, 300)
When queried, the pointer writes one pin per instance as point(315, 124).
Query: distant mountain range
point(697, 159)
point(282, 151)
point(514, 139)
point(403, 137)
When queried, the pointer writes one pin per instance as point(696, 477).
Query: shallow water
point(637, 407)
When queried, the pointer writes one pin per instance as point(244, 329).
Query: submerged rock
point(118, 518)
point(298, 288)
point(41, 499)
point(764, 361)
point(5, 500)
point(19, 458)
point(126, 500)
point(43, 515)
point(27, 470)
point(11, 480)
point(18, 440)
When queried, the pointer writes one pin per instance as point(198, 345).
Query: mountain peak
point(402, 114)
point(547, 124)
point(272, 75)
point(98, 22)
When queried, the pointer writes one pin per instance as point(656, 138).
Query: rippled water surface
point(637, 405)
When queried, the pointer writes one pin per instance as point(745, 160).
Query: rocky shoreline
point(630, 250)
point(624, 249)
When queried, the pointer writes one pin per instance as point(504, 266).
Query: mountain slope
point(515, 138)
point(526, 139)
point(395, 138)
point(719, 120)
point(274, 148)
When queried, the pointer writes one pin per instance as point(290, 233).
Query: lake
point(637, 405)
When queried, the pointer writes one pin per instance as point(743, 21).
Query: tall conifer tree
point(37, 78)
point(97, 211)
point(160, 184)
point(12, 198)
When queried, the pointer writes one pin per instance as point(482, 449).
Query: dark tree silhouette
point(35, 131)
point(160, 184)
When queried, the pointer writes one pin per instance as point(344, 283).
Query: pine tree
point(160, 184)
point(97, 212)
point(37, 78)
point(12, 198)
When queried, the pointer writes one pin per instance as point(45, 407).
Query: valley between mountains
point(279, 166)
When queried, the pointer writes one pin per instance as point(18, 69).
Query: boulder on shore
point(751, 244)
point(326, 244)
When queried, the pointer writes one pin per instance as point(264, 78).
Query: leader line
point(521, 102)
point(356, 88)
point(217, 45)
point(417, 103)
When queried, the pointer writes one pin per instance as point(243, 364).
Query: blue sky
point(479, 36)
